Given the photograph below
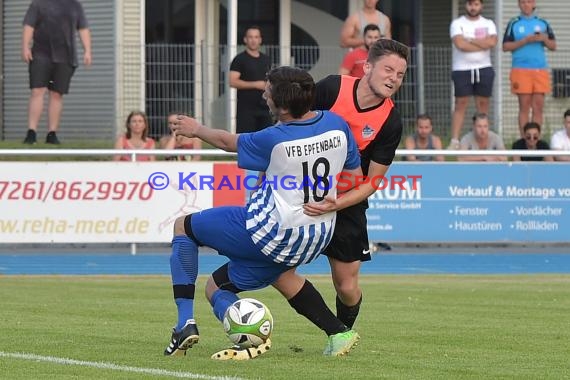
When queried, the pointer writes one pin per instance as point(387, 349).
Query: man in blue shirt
point(526, 36)
point(271, 234)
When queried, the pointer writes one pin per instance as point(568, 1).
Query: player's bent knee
point(221, 279)
point(179, 228)
point(348, 288)
point(347, 284)
point(183, 226)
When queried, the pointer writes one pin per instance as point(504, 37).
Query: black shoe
point(30, 137)
point(51, 138)
point(183, 340)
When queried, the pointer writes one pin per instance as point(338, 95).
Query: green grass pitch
point(412, 327)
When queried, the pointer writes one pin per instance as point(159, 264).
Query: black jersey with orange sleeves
point(382, 120)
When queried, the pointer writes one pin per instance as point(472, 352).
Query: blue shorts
point(223, 229)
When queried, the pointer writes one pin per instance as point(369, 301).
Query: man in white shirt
point(473, 36)
point(561, 139)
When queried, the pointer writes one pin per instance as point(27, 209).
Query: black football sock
point(347, 314)
point(309, 303)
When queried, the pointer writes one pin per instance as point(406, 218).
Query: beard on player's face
point(473, 13)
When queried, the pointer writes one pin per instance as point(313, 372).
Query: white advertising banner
point(99, 202)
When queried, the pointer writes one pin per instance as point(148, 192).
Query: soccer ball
point(248, 323)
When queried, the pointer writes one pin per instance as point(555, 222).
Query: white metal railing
point(114, 152)
point(216, 152)
point(508, 153)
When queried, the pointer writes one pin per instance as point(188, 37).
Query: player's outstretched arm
point(190, 127)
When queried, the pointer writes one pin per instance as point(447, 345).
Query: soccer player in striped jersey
point(302, 157)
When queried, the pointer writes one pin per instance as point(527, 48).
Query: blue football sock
point(221, 301)
point(184, 271)
point(185, 311)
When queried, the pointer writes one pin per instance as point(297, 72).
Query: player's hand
point(27, 55)
point(186, 126)
point(87, 59)
point(329, 204)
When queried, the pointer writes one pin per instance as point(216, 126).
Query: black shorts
point(55, 76)
point(478, 82)
point(350, 239)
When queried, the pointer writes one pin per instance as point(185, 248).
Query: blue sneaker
point(183, 339)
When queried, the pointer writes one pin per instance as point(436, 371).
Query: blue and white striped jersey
point(301, 161)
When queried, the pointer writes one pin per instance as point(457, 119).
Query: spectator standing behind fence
point(136, 137)
point(561, 139)
point(351, 35)
point(247, 75)
point(481, 138)
point(423, 138)
point(473, 36)
point(173, 141)
point(353, 62)
point(49, 49)
point(531, 141)
point(526, 36)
